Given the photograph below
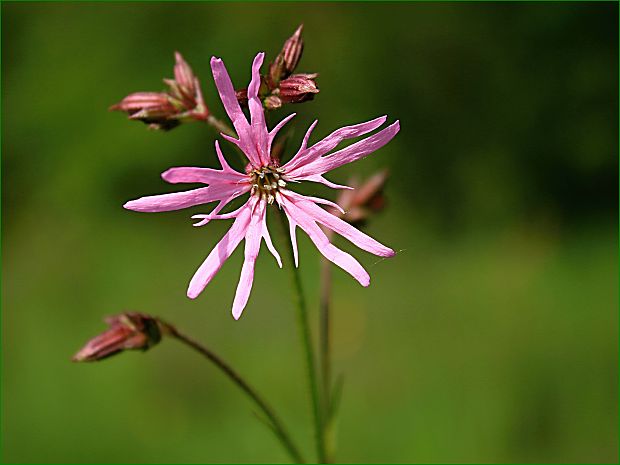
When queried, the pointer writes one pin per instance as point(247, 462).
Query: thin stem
point(219, 125)
point(304, 329)
point(325, 353)
point(325, 333)
point(277, 426)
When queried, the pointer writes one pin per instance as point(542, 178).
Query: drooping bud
point(166, 110)
point(153, 108)
point(363, 201)
point(297, 88)
point(127, 331)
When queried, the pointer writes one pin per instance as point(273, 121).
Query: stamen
point(266, 181)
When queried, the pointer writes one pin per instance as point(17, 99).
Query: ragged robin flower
point(267, 182)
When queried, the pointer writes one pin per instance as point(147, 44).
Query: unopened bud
point(292, 50)
point(184, 76)
point(365, 200)
point(242, 97)
point(272, 102)
point(166, 110)
point(144, 101)
point(153, 108)
point(288, 59)
point(276, 71)
point(297, 88)
point(127, 331)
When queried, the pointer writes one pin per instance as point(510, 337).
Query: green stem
point(325, 327)
point(276, 424)
point(325, 353)
point(304, 329)
point(219, 126)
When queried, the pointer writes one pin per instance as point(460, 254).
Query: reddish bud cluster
point(166, 110)
point(127, 331)
point(280, 86)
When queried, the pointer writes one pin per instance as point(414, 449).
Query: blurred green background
point(491, 337)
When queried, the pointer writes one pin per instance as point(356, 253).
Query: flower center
point(266, 181)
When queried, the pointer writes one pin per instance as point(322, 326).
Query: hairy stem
point(275, 423)
point(306, 337)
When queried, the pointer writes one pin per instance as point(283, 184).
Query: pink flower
point(268, 182)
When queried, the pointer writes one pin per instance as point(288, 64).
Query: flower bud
point(155, 102)
point(153, 108)
point(184, 76)
point(242, 97)
point(273, 102)
point(166, 110)
point(366, 199)
point(288, 59)
point(292, 50)
point(297, 88)
point(127, 331)
point(279, 86)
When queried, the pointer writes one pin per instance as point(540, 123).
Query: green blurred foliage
point(490, 337)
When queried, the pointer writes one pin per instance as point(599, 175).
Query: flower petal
point(220, 156)
point(253, 237)
point(293, 234)
point(201, 175)
point(348, 154)
point(269, 243)
point(319, 200)
point(180, 200)
point(320, 179)
point(307, 155)
point(363, 241)
point(221, 251)
point(214, 215)
point(329, 251)
point(228, 95)
point(257, 115)
point(206, 218)
point(233, 109)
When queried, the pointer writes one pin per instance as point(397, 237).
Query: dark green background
point(490, 337)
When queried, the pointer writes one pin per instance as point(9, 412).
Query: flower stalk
point(306, 337)
point(275, 423)
point(139, 331)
